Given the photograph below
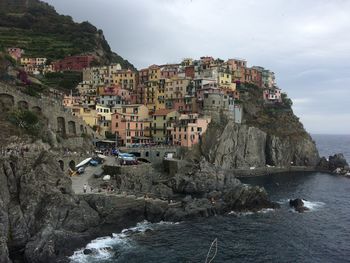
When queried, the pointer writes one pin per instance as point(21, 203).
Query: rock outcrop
point(336, 164)
point(234, 146)
point(298, 205)
point(41, 220)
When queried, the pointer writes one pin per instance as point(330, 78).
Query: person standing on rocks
point(85, 188)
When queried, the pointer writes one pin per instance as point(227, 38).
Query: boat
point(86, 161)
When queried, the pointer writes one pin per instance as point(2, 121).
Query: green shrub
point(26, 120)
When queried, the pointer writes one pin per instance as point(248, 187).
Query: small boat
point(86, 161)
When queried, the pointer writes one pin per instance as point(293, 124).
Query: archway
point(61, 126)
point(61, 163)
point(22, 105)
point(71, 128)
point(6, 102)
point(72, 165)
point(36, 109)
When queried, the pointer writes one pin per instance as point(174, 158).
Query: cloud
point(306, 43)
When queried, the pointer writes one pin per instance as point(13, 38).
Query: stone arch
point(71, 128)
point(147, 154)
point(61, 163)
point(7, 102)
point(22, 105)
point(61, 126)
point(72, 165)
point(36, 109)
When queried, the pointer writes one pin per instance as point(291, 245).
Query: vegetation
point(274, 118)
point(26, 120)
point(34, 90)
point(38, 29)
point(64, 81)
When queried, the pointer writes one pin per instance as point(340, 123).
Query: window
point(213, 102)
point(116, 124)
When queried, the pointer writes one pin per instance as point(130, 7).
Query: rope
point(214, 243)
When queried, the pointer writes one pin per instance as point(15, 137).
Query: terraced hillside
point(36, 27)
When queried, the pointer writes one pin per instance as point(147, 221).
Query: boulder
point(337, 161)
point(87, 251)
point(298, 205)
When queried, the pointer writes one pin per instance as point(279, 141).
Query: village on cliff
point(170, 104)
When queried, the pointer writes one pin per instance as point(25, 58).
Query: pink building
point(272, 95)
point(132, 124)
point(189, 130)
point(15, 52)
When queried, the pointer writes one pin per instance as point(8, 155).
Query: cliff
point(241, 146)
point(41, 220)
point(271, 135)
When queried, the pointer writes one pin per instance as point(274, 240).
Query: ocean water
point(330, 144)
point(282, 235)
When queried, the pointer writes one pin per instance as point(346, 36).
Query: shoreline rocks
point(298, 205)
point(335, 164)
point(42, 220)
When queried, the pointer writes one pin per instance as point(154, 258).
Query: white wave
point(103, 247)
point(241, 213)
point(313, 205)
point(266, 210)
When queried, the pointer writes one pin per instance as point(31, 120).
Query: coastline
point(263, 171)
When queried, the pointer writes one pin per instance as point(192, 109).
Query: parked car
point(94, 162)
point(81, 170)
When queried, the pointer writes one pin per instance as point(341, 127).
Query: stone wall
point(59, 120)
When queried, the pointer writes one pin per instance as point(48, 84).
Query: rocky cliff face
point(232, 146)
point(41, 220)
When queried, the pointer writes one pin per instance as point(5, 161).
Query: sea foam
point(103, 248)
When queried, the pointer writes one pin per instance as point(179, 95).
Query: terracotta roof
point(162, 112)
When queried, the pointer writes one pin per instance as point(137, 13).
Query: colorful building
point(15, 52)
point(272, 95)
point(189, 129)
point(162, 123)
point(73, 63)
point(127, 79)
point(131, 123)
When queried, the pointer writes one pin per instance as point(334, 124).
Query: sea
point(321, 234)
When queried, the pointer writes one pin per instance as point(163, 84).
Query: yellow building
point(160, 95)
point(150, 93)
point(162, 123)
point(224, 78)
point(104, 119)
point(176, 87)
point(154, 73)
point(127, 79)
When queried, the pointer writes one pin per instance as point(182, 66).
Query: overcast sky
point(306, 43)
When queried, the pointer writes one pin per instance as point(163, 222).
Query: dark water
point(320, 235)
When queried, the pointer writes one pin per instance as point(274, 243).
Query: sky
point(305, 42)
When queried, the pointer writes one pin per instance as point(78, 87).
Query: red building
point(74, 63)
point(190, 72)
